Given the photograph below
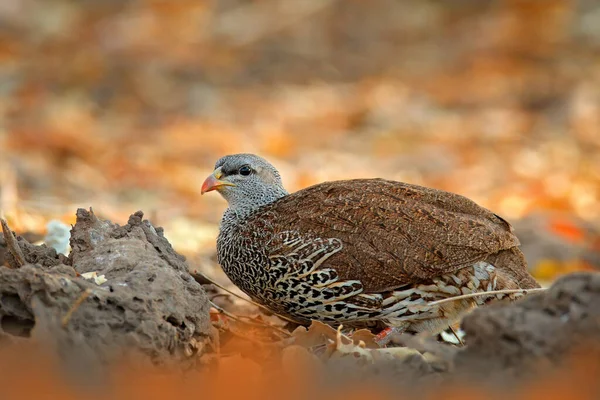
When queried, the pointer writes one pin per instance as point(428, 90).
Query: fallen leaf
point(98, 279)
point(317, 334)
point(366, 337)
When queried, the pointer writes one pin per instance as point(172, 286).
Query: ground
point(140, 303)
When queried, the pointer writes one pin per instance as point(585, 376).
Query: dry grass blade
point(491, 292)
point(75, 306)
point(13, 246)
point(460, 341)
point(202, 279)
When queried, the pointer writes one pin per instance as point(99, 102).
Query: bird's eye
point(245, 170)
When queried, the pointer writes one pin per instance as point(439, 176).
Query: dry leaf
point(98, 279)
point(366, 337)
point(317, 334)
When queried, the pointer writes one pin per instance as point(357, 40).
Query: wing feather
point(392, 233)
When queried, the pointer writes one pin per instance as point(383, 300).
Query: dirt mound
point(540, 330)
point(143, 302)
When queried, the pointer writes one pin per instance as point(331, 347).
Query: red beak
point(213, 182)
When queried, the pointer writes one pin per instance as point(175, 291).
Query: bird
point(371, 253)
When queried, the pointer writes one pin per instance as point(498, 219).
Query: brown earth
point(151, 307)
point(540, 330)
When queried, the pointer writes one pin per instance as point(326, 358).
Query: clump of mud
point(539, 331)
point(146, 304)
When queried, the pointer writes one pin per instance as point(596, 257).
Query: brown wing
point(392, 233)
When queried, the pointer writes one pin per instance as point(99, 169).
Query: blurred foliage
point(127, 104)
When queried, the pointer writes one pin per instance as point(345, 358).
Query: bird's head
point(245, 181)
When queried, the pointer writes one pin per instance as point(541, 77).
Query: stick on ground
point(75, 306)
point(12, 245)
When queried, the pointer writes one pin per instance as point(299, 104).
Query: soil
point(152, 307)
point(149, 305)
point(542, 329)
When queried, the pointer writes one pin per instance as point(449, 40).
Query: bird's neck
point(244, 205)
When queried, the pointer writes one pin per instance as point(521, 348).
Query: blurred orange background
point(126, 105)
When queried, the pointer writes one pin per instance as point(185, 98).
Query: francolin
point(363, 252)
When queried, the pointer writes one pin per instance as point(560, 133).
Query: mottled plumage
point(360, 252)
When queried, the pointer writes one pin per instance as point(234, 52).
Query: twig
point(75, 306)
point(253, 323)
point(215, 296)
point(491, 292)
point(12, 244)
point(200, 278)
point(460, 341)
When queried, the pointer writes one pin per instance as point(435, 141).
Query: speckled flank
point(362, 252)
